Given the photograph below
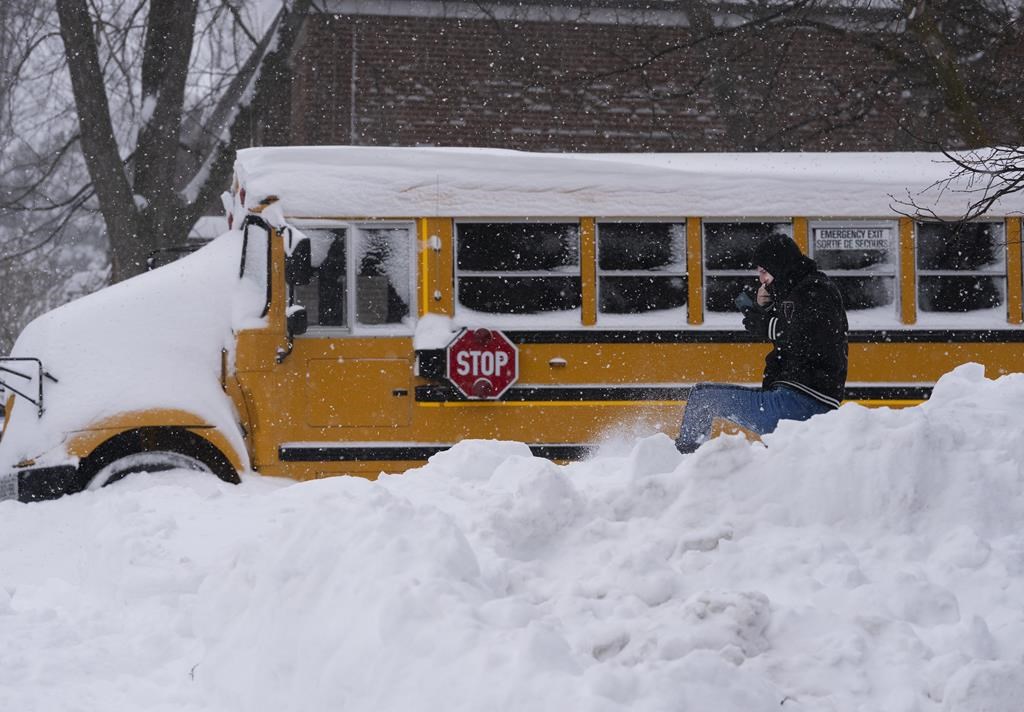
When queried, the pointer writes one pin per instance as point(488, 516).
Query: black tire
point(139, 462)
point(152, 450)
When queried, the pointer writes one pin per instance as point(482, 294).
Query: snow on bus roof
point(366, 182)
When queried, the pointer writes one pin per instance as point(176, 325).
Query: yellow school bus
point(373, 306)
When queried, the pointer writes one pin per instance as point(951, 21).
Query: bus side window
point(641, 267)
point(862, 259)
point(383, 272)
point(325, 297)
point(729, 259)
point(518, 268)
point(961, 266)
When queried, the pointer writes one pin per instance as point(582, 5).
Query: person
point(800, 311)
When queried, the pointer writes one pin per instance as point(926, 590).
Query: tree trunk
point(245, 100)
point(99, 146)
point(946, 73)
point(165, 59)
point(716, 51)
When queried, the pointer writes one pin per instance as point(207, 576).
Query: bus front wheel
point(152, 449)
point(150, 461)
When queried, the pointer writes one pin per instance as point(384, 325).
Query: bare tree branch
point(983, 176)
point(215, 142)
point(44, 176)
point(80, 198)
point(240, 21)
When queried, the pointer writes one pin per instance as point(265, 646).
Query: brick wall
point(547, 85)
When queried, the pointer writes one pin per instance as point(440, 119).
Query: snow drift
point(866, 560)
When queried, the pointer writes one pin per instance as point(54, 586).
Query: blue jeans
point(756, 409)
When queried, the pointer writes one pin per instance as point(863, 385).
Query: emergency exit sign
point(860, 237)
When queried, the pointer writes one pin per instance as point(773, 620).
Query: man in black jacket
point(800, 311)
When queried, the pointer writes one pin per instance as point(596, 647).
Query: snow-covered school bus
point(370, 307)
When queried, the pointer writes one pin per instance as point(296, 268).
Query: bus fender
point(155, 430)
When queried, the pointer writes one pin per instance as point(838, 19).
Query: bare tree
point(949, 72)
point(794, 74)
point(983, 176)
point(990, 174)
point(118, 122)
point(42, 265)
point(961, 56)
point(151, 183)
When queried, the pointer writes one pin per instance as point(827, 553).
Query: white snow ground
point(869, 560)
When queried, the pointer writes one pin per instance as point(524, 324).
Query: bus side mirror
point(298, 264)
point(298, 321)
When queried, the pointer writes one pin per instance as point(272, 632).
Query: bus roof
point(373, 182)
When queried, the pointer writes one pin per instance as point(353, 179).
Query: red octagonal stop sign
point(482, 363)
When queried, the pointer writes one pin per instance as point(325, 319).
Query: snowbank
point(866, 560)
point(362, 181)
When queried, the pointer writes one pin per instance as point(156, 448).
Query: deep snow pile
point(867, 560)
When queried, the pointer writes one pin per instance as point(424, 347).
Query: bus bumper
point(35, 484)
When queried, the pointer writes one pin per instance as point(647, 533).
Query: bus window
point(641, 268)
point(861, 258)
point(326, 296)
point(961, 266)
point(376, 259)
point(729, 259)
point(518, 268)
point(383, 274)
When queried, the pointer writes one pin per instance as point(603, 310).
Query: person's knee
point(701, 391)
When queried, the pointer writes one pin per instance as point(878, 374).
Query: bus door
point(351, 372)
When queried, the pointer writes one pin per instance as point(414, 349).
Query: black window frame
point(459, 274)
point(872, 271)
point(738, 275)
point(352, 326)
point(999, 272)
point(670, 314)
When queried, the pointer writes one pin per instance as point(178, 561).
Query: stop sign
point(482, 363)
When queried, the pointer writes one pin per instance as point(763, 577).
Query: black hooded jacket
point(806, 323)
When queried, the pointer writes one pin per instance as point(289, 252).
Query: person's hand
point(763, 297)
point(755, 321)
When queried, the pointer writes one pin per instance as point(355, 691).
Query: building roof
point(629, 12)
point(372, 182)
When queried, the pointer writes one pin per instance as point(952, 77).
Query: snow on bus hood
point(326, 181)
point(153, 341)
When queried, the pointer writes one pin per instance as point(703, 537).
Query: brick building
point(601, 75)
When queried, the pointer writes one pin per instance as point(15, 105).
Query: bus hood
point(153, 341)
